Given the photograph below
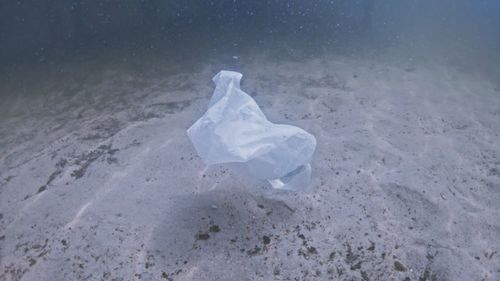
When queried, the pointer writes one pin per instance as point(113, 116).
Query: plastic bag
point(234, 131)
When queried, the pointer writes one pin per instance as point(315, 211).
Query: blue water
point(39, 31)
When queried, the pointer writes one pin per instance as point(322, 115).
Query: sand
point(98, 180)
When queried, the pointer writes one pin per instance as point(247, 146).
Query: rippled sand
point(98, 180)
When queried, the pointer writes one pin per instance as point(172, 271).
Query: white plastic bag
point(234, 131)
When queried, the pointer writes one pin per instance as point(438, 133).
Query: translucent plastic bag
point(234, 131)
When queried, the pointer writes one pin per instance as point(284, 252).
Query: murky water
point(98, 180)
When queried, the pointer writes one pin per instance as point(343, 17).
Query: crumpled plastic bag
point(234, 131)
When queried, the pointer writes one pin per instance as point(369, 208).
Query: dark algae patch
point(266, 240)
point(165, 275)
point(255, 251)
point(85, 160)
point(59, 169)
point(173, 106)
point(301, 236)
point(365, 276)
point(350, 256)
point(356, 266)
point(399, 266)
point(202, 236)
point(42, 189)
point(170, 277)
point(427, 276)
point(312, 250)
point(214, 228)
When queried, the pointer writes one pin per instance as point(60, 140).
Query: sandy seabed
point(98, 180)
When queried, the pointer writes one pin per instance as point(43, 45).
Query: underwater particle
point(214, 228)
point(202, 236)
point(399, 266)
point(266, 240)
